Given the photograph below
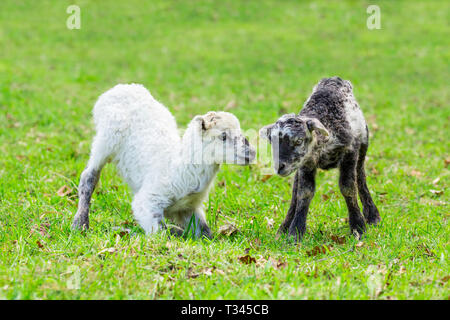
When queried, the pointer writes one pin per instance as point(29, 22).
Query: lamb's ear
point(264, 132)
point(209, 120)
point(200, 121)
point(206, 121)
point(316, 125)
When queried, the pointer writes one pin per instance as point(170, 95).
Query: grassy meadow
point(257, 59)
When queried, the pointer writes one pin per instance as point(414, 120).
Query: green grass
point(261, 59)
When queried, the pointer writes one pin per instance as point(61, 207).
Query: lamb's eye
point(223, 136)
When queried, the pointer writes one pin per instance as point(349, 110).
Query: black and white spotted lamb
point(329, 132)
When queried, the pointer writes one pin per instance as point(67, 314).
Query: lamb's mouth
point(284, 174)
point(285, 171)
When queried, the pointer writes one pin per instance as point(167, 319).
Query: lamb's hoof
point(281, 232)
point(371, 215)
point(206, 233)
point(357, 234)
point(80, 224)
point(373, 218)
point(358, 231)
point(295, 235)
point(175, 231)
point(80, 227)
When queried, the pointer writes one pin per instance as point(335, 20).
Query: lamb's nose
point(281, 167)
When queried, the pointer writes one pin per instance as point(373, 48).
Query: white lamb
point(169, 176)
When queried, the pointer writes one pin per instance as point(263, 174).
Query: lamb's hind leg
point(347, 184)
point(88, 181)
point(370, 210)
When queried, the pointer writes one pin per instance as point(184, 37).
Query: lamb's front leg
point(148, 212)
point(290, 215)
point(348, 186)
point(305, 191)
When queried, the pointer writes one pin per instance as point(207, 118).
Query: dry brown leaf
point(277, 264)
point(247, 259)
point(428, 252)
point(207, 272)
point(127, 224)
point(447, 162)
point(266, 177)
point(318, 250)
point(338, 239)
point(228, 230)
point(122, 231)
point(40, 245)
point(63, 191)
point(444, 280)
point(437, 192)
point(191, 274)
point(107, 250)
